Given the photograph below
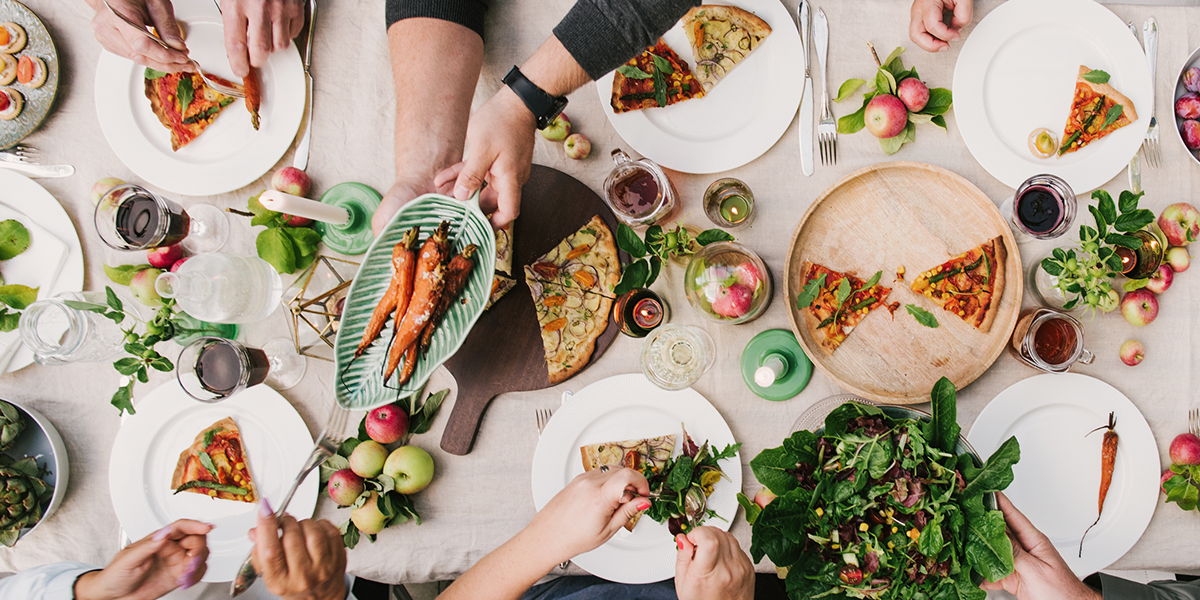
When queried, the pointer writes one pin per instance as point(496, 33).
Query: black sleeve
point(602, 34)
point(468, 13)
point(1115, 588)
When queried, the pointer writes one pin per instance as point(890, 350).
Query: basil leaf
point(843, 292)
point(1108, 208)
point(207, 461)
point(627, 240)
point(1129, 201)
point(213, 485)
point(14, 239)
point(152, 74)
point(633, 72)
point(1114, 113)
point(1051, 267)
point(709, 236)
point(922, 316)
point(185, 93)
point(810, 291)
point(660, 88)
point(1133, 221)
point(209, 435)
point(848, 87)
point(662, 65)
point(1096, 76)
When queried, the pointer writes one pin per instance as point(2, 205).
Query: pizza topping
point(556, 324)
point(584, 278)
point(553, 301)
point(546, 270)
point(1042, 143)
point(215, 486)
point(207, 462)
point(578, 251)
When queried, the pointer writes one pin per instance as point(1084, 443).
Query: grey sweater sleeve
point(1115, 588)
point(602, 34)
point(468, 13)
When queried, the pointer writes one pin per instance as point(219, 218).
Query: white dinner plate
point(1057, 482)
point(167, 421)
point(228, 155)
point(628, 407)
point(740, 119)
point(23, 195)
point(1017, 72)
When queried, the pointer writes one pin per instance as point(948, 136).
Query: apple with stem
point(164, 257)
point(142, 287)
point(1132, 352)
point(886, 116)
point(367, 459)
point(386, 424)
point(1181, 223)
point(368, 518)
point(914, 93)
point(558, 129)
point(1178, 258)
point(1139, 307)
point(1185, 449)
point(345, 487)
point(1160, 280)
point(411, 467)
point(578, 146)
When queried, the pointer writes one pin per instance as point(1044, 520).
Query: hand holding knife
point(803, 22)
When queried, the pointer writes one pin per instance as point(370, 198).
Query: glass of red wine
point(1043, 207)
point(211, 369)
point(130, 217)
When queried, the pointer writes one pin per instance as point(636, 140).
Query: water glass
point(58, 334)
point(675, 356)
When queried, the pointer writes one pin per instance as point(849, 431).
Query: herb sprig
point(695, 467)
point(658, 247)
point(14, 240)
point(288, 249)
point(887, 81)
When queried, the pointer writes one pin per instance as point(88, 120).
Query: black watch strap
point(543, 106)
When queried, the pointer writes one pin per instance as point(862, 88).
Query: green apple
point(411, 467)
point(367, 517)
point(367, 459)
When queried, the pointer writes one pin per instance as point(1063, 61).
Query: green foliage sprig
point(14, 239)
point(887, 81)
point(287, 248)
point(1183, 488)
point(659, 246)
point(1085, 272)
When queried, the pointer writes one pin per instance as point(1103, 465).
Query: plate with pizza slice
point(180, 135)
point(626, 420)
point(900, 274)
point(1060, 66)
point(177, 458)
point(716, 92)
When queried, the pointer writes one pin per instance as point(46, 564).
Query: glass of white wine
point(675, 356)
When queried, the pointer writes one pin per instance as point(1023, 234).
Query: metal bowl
point(1192, 61)
point(41, 440)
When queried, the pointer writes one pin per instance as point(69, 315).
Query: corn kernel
point(895, 529)
point(863, 527)
point(212, 492)
point(820, 511)
point(900, 269)
point(835, 546)
point(891, 545)
point(241, 466)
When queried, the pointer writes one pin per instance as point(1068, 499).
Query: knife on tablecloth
point(300, 161)
point(806, 103)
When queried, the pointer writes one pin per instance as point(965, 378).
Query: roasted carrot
point(395, 299)
point(252, 87)
point(456, 279)
point(410, 365)
point(1108, 461)
point(427, 288)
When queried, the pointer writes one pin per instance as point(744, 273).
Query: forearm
point(507, 572)
point(553, 69)
point(435, 66)
point(603, 34)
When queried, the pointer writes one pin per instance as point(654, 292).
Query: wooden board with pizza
point(892, 219)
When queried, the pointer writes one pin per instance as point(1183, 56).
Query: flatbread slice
point(634, 454)
point(969, 285)
point(641, 83)
point(1097, 109)
point(500, 286)
point(216, 465)
point(830, 319)
point(721, 38)
point(184, 104)
point(504, 249)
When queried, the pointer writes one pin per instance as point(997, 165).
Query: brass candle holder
point(323, 311)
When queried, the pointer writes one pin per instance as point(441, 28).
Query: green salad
point(883, 508)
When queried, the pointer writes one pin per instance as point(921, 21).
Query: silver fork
point(23, 151)
point(16, 157)
point(209, 79)
point(826, 127)
point(543, 417)
point(331, 439)
point(1150, 41)
point(1194, 421)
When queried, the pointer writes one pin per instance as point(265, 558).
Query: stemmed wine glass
point(211, 369)
point(130, 217)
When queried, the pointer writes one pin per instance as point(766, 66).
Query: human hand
point(402, 192)
point(499, 150)
point(1039, 572)
point(589, 511)
point(256, 28)
point(122, 39)
point(306, 562)
point(172, 557)
point(927, 30)
point(711, 566)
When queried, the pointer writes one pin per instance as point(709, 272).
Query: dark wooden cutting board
point(503, 352)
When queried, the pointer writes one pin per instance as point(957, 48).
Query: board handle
point(463, 424)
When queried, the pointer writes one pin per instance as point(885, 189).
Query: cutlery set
point(814, 32)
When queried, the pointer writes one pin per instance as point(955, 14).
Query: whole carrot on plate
point(395, 299)
point(457, 273)
point(428, 282)
point(253, 89)
point(410, 365)
point(1108, 462)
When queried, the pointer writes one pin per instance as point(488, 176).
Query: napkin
point(37, 267)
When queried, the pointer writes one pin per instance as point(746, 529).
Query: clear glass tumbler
point(58, 334)
point(675, 356)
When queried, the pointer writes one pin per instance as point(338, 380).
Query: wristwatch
point(543, 106)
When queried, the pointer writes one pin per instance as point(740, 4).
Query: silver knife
point(44, 171)
point(1135, 163)
point(300, 161)
point(806, 103)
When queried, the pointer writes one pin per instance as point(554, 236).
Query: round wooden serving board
point(503, 352)
point(916, 216)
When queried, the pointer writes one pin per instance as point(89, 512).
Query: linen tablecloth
point(478, 501)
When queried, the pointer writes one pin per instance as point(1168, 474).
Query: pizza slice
point(500, 286)
point(570, 286)
point(504, 249)
point(634, 454)
point(721, 37)
point(969, 285)
point(1097, 109)
point(656, 77)
point(184, 104)
point(835, 303)
point(215, 465)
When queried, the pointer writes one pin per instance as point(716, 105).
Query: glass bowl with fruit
point(728, 283)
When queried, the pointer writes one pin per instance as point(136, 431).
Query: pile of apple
point(576, 145)
point(1181, 481)
point(1180, 222)
point(376, 482)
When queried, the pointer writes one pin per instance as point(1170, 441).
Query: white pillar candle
point(303, 207)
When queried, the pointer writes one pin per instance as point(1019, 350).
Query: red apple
point(387, 424)
point(142, 287)
point(578, 146)
point(913, 93)
point(367, 459)
point(102, 186)
point(411, 467)
point(164, 257)
point(1185, 449)
point(747, 275)
point(179, 264)
point(1178, 258)
point(1160, 280)
point(763, 497)
point(1132, 352)
point(345, 487)
point(1140, 307)
point(291, 180)
point(886, 116)
point(558, 129)
point(294, 221)
point(1181, 223)
point(733, 301)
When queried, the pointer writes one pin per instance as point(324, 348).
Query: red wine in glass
point(140, 222)
point(130, 217)
point(211, 369)
point(220, 367)
point(1044, 207)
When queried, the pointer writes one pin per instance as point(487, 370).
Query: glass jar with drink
point(1049, 340)
point(639, 192)
point(130, 217)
